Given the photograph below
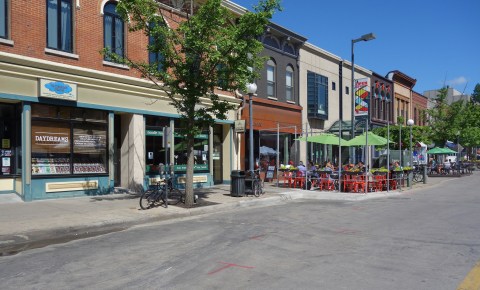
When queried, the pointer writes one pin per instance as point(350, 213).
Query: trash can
point(237, 186)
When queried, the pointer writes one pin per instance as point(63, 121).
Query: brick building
point(73, 122)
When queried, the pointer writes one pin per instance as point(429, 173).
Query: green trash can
point(237, 185)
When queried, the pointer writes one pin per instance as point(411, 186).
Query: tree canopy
point(197, 58)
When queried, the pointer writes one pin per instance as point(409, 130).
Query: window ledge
point(6, 41)
point(61, 53)
point(117, 65)
point(291, 102)
point(273, 98)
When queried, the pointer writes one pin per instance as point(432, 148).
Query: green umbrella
point(373, 139)
point(324, 138)
point(438, 150)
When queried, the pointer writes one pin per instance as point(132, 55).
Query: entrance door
point(217, 154)
point(117, 145)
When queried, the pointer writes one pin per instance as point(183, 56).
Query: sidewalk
point(26, 225)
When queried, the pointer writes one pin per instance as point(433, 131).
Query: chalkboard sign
point(270, 172)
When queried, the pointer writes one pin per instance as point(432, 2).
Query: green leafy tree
point(211, 48)
point(476, 94)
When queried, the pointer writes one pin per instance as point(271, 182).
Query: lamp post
point(387, 101)
point(458, 150)
point(410, 123)
point(366, 37)
point(251, 90)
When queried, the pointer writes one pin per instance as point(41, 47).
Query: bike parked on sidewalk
point(256, 183)
point(157, 195)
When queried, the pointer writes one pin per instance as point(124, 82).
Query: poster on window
point(362, 96)
point(89, 140)
point(50, 137)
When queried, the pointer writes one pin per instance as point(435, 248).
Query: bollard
point(424, 174)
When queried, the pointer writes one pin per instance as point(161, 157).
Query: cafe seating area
point(350, 181)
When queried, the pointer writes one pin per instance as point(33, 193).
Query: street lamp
point(251, 90)
point(458, 149)
point(410, 123)
point(366, 37)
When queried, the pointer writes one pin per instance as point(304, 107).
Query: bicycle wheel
point(147, 199)
point(256, 188)
point(175, 196)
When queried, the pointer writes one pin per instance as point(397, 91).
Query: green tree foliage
point(213, 47)
point(419, 134)
point(476, 94)
point(457, 121)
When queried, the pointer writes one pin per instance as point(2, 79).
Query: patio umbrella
point(324, 138)
point(438, 150)
point(373, 139)
point(267, 150)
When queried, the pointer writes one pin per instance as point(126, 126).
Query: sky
point(436, 42)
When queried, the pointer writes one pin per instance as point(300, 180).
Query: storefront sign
point(6, 161)
point(196, 179)
point(195, 167)
point(155, 133)
point(58, 90)
point(239, 126)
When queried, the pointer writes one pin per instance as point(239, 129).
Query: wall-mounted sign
point(239, 126)
point(58, 90)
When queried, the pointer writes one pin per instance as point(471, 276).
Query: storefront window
point(89, 148)
point(154, 143)
point(200, 150)
point(66, 140)
point(10, 139)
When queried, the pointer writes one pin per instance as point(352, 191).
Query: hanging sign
point(239, 126)
point(362, 96)
point(58, 90)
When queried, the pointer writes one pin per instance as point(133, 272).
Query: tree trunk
point(189, 195)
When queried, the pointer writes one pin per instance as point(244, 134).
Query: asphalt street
point(426, 239)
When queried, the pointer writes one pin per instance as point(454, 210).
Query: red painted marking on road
point(229, 265)
point(256, 237)
point(346, 231)
point(358, 208)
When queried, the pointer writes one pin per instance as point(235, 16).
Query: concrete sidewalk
point(35, 224)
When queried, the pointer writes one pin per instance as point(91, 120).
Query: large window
point(10, 150)
point(317, 96)
point(200, 150)
point(154, 56)
point(289, 89)
point(59, 25)
point(4, 18)
point(113, 30)
point(68, 140)
point(271, 79)
point(154, 143)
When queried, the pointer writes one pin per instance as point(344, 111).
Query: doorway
point(217, 154)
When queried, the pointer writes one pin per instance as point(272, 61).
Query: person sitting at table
point(446, 166)
point(360, 166)
point(329, 166)
point(301, 169)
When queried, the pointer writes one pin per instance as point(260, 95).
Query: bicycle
point(418, 174)
point(157, 194)
point(256, 183)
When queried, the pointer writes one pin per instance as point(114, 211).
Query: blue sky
point(436, 42)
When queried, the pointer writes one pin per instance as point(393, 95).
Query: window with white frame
point(271, 79)
point(289, 88)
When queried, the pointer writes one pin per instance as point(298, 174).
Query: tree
point(211, 48)
point(476, 94)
